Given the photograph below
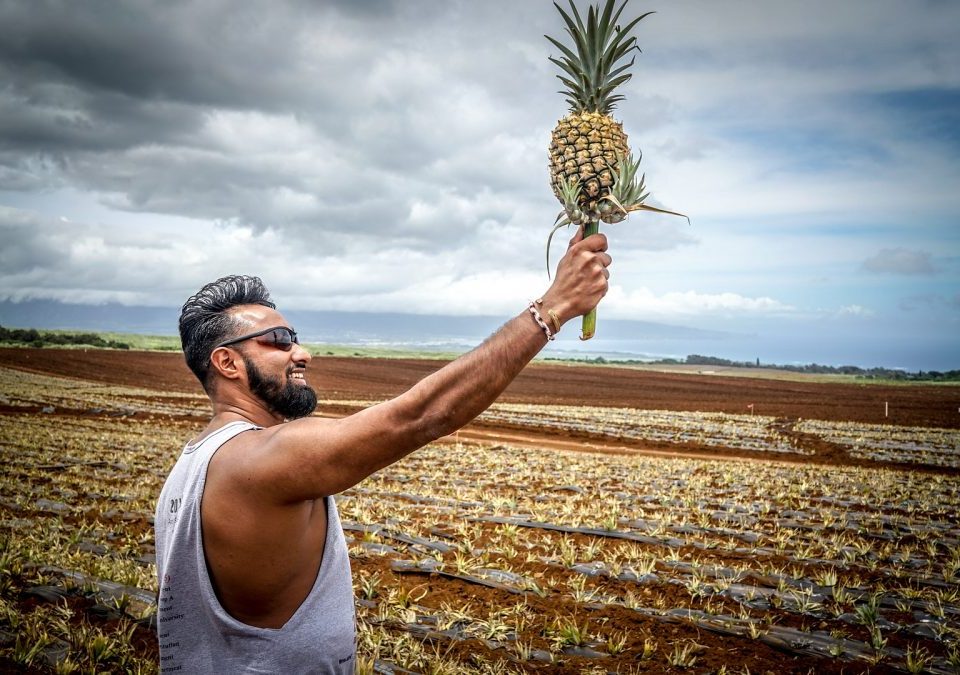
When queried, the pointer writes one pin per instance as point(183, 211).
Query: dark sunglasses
point(280, 337)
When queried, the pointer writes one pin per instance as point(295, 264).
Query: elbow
point(426, 423)
point(434, 425)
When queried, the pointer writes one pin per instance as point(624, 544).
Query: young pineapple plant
point(592, 170)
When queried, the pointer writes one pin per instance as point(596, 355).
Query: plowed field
point(588, 522)
point(376, 379)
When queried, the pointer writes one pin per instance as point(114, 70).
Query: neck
point(247, 411)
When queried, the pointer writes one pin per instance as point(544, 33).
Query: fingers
point(582, 275)
point(602, 268)
point(604, 261)
point(594, 255)
point(595, 242)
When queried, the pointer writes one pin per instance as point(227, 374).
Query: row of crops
point(32, 391)
point(742, 432)
point(755, 433)
point(490, 558)
point(937, 447)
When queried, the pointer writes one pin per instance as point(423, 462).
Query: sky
point(391, 155)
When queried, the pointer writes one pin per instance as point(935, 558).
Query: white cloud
point(642, 303)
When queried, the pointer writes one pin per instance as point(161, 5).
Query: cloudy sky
point(390, 155)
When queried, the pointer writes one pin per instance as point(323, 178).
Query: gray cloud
point(212, 53)
point(174, 108)
point(405, 101)
point(900, 261)
point(61, 259)
point(398, 147)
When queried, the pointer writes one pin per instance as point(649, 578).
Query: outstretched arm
point(312, 457)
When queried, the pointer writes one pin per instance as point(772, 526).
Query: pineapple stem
point(589, 325)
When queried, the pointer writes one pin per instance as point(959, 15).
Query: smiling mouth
point(297, 375)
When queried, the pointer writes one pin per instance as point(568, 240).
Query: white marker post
point(886, 408)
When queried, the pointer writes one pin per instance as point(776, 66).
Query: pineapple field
point(547, 536)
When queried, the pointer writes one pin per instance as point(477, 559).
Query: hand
point(582, 277)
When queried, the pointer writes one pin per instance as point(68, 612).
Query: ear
point(227, 363)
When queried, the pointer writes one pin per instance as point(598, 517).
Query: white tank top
point(196, 633)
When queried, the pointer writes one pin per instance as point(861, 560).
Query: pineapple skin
point(584, 146)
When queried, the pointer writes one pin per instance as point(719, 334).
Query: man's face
point(281, 393)
point(275, 373)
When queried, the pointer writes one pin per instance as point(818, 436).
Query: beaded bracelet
point(532, 308)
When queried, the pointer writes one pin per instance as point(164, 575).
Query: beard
point(284, 398)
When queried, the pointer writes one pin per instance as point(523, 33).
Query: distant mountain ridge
point(314, 326)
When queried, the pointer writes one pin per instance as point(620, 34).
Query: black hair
point(205, 321)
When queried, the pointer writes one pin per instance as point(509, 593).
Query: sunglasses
point(280, 337)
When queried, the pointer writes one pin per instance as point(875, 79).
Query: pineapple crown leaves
point(592, 73)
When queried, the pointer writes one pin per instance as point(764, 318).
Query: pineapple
point(586, 143)
point(592, 170)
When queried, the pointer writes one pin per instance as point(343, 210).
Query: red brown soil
point(373, 379)
point(340, 378)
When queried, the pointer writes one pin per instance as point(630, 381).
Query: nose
point(301, 354)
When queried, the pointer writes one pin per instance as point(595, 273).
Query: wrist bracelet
point(555, 320)
point(554, 317)
point(532, 308)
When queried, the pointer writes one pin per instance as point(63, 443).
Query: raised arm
point(312, 457)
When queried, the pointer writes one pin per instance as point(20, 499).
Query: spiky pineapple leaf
point(558, 224)
point(646, 207)
point(570, 56)
point(598, 44)
point(628, 193)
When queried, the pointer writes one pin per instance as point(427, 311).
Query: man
point(252, 562)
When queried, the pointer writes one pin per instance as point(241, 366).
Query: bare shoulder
point(256, 449)
point(257, 465)
point(314, 457)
